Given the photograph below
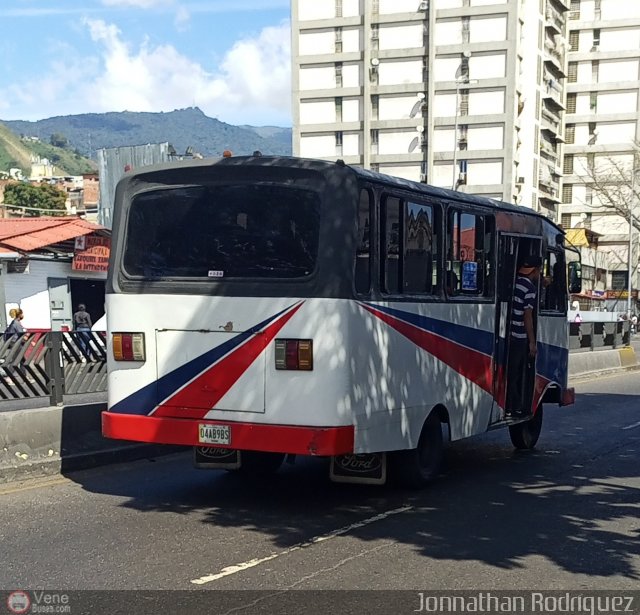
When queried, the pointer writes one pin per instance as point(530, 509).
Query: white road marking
point(229, 570)
point(632, 426)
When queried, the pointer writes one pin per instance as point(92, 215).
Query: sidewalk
point(36, 442)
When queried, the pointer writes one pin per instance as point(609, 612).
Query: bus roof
point(324, 166)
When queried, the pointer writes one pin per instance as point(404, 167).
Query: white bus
point(265, 307)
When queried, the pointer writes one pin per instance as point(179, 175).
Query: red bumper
point(321, 441)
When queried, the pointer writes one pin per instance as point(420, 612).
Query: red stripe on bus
point(206, 390)
point(298, 440)
point(470, 364)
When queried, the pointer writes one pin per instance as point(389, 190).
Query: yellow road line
point(34, 484)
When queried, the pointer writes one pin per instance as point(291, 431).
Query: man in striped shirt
point(522, 345)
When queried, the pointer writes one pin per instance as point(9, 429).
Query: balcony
point(550, 121)
point(554, 19)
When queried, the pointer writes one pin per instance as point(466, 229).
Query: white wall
point(395, 141)
point(30, 291)
point(351, 41)
point(318, 146)
point(442, 140)
point(448, 32)
point(350, 8)
point(388, 7)
point(486, 103)
point(485, 29)
point(487, 66)
point(318, 9)
point(318, 77)
point(317, 42)
point(617, 70)
point(351, 75)
point(318, 112)
point(351, 110)
point(444, 104)
point(484, 173)
point(442, 175)
point(400, 37)
point(617, 102)
point(614, 9)
point(351, 144)
point(409, 171)
point(397, 107)
point(619, 39)
point(485, 137)
point(401, 71)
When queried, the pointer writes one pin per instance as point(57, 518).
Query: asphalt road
point(562, 517)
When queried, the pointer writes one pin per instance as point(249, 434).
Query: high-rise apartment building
point(602, 131)
point(457, 93)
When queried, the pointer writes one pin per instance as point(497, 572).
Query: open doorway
point(512, 250)
point(89, 292)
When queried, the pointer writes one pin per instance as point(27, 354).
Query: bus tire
point(417, 467)
point(525, 435)
point(257, 463)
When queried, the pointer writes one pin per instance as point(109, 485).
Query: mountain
point(182, 128)
point(16, 152)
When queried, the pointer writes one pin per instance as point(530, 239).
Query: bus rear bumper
point(298, 440)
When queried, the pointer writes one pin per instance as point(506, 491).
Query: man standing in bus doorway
point(522, 345)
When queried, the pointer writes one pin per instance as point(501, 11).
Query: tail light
point(128, 346)
point(294, 354)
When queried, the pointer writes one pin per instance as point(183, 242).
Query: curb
point(603, 372)
point(56, 466)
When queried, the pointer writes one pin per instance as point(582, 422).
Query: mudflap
point(214, 458)
point(363, 468)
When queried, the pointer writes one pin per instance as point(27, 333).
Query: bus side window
point(420, 247)
point(363, 246)
point(553, 291)
point(469, 255)
point(391, 241)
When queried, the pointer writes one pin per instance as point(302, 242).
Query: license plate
point(214, 434)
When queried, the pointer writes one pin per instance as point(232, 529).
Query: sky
point(230, 58)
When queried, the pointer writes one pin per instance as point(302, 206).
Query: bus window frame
point(456, 207)
point(373, 233)
point(437, 211)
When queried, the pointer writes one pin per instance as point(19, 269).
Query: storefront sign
point(91, 253)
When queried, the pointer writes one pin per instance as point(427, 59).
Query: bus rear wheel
point(256, 463)
point(417, 467)
point(525, 435)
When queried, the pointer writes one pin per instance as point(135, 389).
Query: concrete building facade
point(456, 93)
point(481, 95)
point(601, 181)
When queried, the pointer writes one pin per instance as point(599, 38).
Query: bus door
point(510, 249)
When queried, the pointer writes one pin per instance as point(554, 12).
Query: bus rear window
point(230, 231)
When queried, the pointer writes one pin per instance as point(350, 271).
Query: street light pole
point(630, 259)
point(460, 79)
point(455, 135)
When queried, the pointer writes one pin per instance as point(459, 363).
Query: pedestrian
point(13, 333)
point(634, 324)
point(578, 319)
point(15, 328)
point(82, 323)
point(522, 343)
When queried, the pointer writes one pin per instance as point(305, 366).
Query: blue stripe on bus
point(148, 397)
point(476, 339)
point(552, 362)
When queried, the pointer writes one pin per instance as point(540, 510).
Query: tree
point(611, 184)
point(58, 140)
point(36, 200)
point(613, 181)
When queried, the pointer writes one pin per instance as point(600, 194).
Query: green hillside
point(17, 152)
point(13, 154)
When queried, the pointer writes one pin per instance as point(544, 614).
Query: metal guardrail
point(57, 363)
point(596, 335)
point(54, 363)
